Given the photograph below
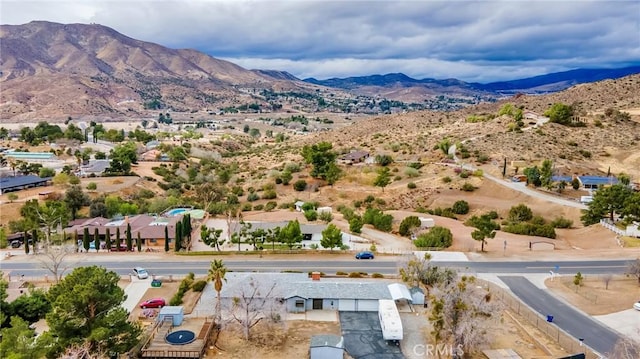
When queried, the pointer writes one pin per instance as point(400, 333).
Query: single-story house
point(299, 293)
point(310, 232)
point(326, 346)
point(150, 228)
point(595, 182)
point(10, 184)
point(94, 167)
point(566, 179)
point(353, 157)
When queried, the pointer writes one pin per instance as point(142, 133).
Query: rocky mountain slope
point(49, 69)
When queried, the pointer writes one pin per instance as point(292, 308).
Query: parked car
point(636, 305)
point(153, 303)
point(141, 272)
point(364, 255)
point(122, 248)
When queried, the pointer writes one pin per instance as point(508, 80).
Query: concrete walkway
point(134, 292)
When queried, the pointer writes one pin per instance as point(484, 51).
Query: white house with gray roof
point(299, 293)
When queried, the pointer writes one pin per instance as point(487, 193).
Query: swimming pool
point(176, 211)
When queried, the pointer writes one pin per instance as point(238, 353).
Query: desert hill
point(54, 70)
point(603, 143)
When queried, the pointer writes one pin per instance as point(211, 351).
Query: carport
point(400, 291)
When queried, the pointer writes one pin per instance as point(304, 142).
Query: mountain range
point(51, 70)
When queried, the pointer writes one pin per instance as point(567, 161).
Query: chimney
point(315, 275)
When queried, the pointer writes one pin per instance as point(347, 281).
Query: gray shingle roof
point(290, 285)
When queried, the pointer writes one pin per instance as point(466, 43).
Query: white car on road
point(141, 273)
point(636, 305)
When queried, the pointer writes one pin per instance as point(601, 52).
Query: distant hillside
point(383, 84)
point(94, 70)
point(558, 81)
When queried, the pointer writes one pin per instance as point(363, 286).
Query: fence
point(612, 227)
point(566, 341)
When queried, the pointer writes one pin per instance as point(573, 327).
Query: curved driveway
point(516, 186)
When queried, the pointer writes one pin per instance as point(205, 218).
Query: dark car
point(153, 303)
point(364, 255)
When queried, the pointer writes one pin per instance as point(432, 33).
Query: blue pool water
point(176, 211)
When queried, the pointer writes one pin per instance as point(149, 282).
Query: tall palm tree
point(216, 274)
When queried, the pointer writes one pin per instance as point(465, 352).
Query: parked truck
point(390, 321)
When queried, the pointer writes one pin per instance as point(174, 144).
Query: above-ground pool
point(176, 211)
point(180, 337)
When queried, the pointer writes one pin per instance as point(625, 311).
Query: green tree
point(331, 237)
point(46, 172)
point(408, 224)
point(216, 274)
point(75, 199)
point(122, 156)
point(118, 239)
point(129, 238)
point(86, 307)
point(178, 243)
point(211, 237)
point(575, 183)
point(139, 242)
point(533, 175)
point(384, 160)
point(107, 239)
point(355, 224)
point(439, 237)
point(546, 173)
point(383, 179)
point(520, 213)
point(333, 174)
point(320, 156)
point(96, 239)
point(560, 113)
point(32, 306)
point(300, 185)
point(12, 197)
point(286, 177)
point(460, 207)
point(291, 235)
point(607, 202)
point(19, 341)
point(485, 228)
point(166, 238)
point(86, 239)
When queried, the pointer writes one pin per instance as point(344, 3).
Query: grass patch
point(630, 242)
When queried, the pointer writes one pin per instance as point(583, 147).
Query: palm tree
point(216, 274)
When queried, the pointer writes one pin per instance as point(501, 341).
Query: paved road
point(516, 186)
point(577, 324)
point(384, 265)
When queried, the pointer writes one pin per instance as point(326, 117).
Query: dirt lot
point(166, 291)
point(593, 298)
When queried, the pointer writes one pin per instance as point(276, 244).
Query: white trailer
point(390, 320)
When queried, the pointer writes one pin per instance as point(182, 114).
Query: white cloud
point(469, 40)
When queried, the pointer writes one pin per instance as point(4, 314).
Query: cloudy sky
point(469, 40)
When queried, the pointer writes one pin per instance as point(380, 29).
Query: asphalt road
point(389, 266)
point(577, 324)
